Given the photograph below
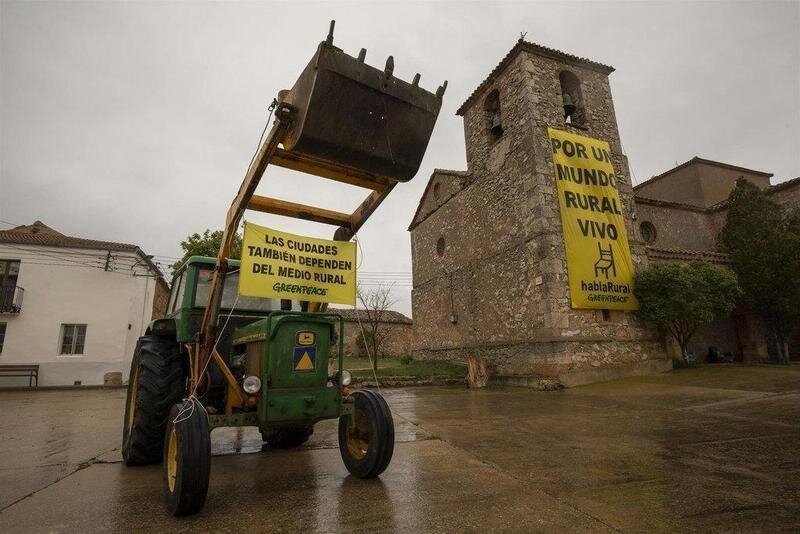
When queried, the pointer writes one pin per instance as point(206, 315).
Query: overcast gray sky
point(135, 122)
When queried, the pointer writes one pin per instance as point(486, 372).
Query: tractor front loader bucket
point(356, 116)
point(347, 121)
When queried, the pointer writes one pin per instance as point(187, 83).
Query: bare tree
point(376, 303)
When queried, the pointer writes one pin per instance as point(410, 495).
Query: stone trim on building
point(464, 180)
point(794, 182)
point(719, 258)
point(669, 204)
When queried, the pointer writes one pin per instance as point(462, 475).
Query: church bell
point(497, 127)
point(569, 107)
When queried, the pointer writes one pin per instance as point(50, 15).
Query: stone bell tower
point(490, 273)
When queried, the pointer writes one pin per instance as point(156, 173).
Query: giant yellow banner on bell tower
point(599, 264)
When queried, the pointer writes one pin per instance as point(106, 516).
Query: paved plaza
point(709, 448)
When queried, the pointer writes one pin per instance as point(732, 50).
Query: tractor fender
point(162, 328)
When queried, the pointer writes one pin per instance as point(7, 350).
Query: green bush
point(364, 339)
point(680, 298)
point(405, 360)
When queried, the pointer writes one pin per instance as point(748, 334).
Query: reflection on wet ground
point(711, 448)
point(248, 439)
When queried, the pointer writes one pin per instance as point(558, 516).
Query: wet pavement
point(709, 448)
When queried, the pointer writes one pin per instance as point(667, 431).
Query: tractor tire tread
point(385, 419)
point(193, 467)
point(384, 445)
point(161, 384)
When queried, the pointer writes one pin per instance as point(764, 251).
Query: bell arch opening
point(572, 98)
point(491, 106)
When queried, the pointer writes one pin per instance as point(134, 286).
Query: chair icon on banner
point(606, 261)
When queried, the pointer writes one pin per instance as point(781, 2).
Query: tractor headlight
point(346, 378)
point(251, 385)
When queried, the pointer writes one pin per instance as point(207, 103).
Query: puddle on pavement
point(247, 440)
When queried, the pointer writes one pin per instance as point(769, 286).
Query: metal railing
point(11, 299)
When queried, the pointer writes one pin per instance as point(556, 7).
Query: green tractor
point(223, 359)
point(281, 359)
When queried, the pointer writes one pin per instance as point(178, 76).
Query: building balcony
point(11, 300)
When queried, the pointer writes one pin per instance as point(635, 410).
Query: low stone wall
point(405, 381)
point(572, 362)
point(397, 342)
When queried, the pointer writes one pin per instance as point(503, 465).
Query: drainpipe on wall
point(453, 315)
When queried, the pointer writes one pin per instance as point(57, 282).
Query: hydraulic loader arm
point(345, 121)
point(283, 118)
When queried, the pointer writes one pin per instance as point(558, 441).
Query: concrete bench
point(31, 371)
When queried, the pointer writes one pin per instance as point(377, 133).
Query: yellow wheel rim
point(172, 460)
point(358, 435)
point(134, 387)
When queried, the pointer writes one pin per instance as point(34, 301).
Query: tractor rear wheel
point(187, 458)
point(366, 440)
point(287, 437)
point(157, 381)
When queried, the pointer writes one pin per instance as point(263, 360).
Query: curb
point(407, 381)
point(61, 388)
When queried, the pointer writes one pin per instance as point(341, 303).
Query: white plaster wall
point(71, 286)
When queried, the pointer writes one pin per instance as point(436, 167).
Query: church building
point(490, 277)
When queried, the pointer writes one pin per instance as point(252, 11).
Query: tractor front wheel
point(157, 381)
point(187, 459)
point(366, 439)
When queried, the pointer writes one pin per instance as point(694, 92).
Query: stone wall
point(442, 186)
point(686, 227)
point(680, 186)
point(621, 333)
point(397, 342)
point(677, 226)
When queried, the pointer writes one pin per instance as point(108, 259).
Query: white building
point(73, 306)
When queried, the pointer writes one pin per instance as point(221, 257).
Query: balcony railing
point(11, 299)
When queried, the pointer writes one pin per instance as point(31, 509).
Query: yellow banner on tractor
point(287, 266)
point(599, 264)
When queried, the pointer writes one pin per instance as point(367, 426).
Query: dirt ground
point(708, 448)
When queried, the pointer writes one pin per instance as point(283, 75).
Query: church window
point(648, 232)
point(440, 246)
